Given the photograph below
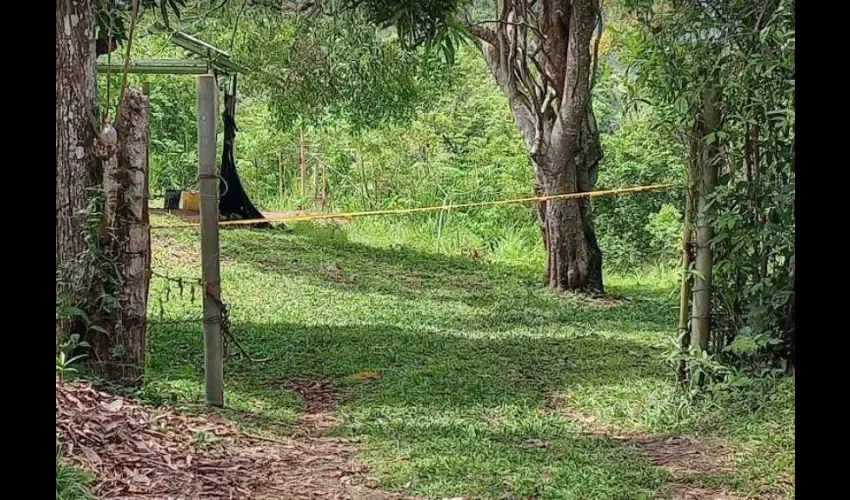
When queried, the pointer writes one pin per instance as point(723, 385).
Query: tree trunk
point(76, 167)
point(120, 348)
point(553, 112)
point(573, 259)
point(701, 314)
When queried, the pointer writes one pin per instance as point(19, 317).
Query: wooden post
point(315, 181)
point(279, 176)
point(208, 180)
point(231, 104)
point(324, 186)
point(301, 166)
point(146, 91)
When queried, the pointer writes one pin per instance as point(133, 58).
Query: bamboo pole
point(146, 91)
point(685, 290)
point(211, 272)
point(703, 262)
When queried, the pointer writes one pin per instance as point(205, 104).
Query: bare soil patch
point(686, 458)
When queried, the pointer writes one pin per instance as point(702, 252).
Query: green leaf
point(70, 311)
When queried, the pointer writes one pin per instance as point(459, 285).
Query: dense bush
point(746, 50)
point(632, 228)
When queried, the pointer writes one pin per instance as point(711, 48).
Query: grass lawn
point(473, 368)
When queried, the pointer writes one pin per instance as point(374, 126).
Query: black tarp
point(233, 201)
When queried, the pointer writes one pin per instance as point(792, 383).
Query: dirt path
point(684, 457)
point(139, 452)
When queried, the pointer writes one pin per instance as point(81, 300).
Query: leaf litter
point(135, 451)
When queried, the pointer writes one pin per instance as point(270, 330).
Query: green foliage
point(638, 153)
point(204, 440)
point(711, 375)
point(398, 128)
point(65, 358)
point(665, 228)
point(755, 220)
point(111, 16)
point(454, 145)
point(173, 134)
point(748, 49)
point(70, 481)
point(99, 259)
point(81, 298)
point(447, 305)
point(316, 69)
point(418, 22)
point(173, 128)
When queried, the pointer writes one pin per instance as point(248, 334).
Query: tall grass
point(514, 243)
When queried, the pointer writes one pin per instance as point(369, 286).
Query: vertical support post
point(208, 180)
point(324, 186)
point(301, 167)
point(231, 104)
point(703, 259)
point(279, 176)
point(685, 289)
point(316, 188)
point(146, 91)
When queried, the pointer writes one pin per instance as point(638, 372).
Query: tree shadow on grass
point(403, 272)
point(499, 297)
point(464, 354)
point(445, 415)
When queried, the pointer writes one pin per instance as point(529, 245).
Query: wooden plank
point(219, 58)
point(157, 67)
point(146, 90)
point(211, 272)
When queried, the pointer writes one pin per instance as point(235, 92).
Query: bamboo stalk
point(685, 289)
point(213, 364)
point(703, 262)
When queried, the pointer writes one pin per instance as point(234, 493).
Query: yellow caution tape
point(402, 211)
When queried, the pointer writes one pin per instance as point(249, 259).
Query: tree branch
point(483, 34)
point(595, 70)
point(511, 23)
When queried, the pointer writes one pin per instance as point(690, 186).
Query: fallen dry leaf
point(365, 375)
point(113, 406)
point(138, 452)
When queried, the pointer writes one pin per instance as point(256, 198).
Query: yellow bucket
point(190, 201)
